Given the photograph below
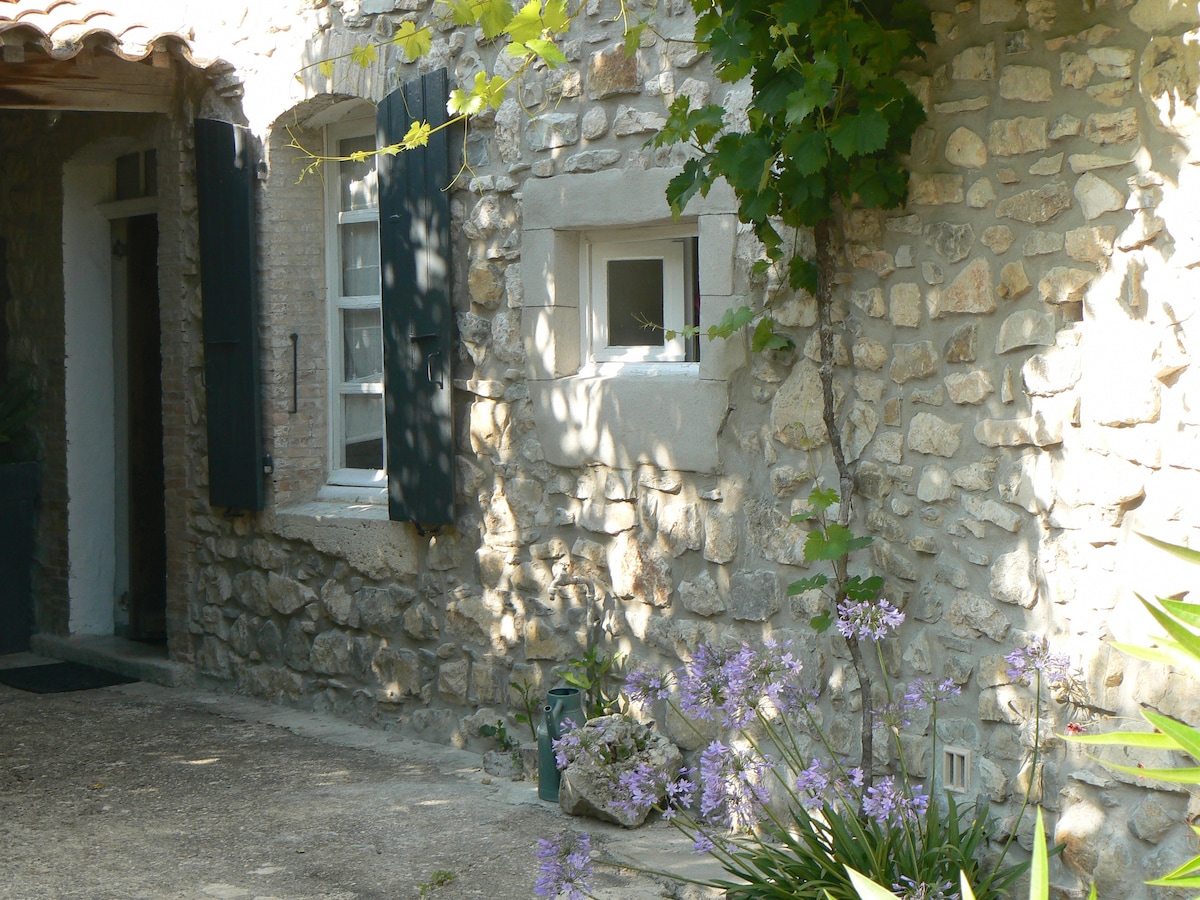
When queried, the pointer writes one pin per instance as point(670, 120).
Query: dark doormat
point(56, 678)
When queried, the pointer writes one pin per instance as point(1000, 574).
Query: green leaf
point(484, 93)
point(493, 16)
point(1182, 775)
point(325, 67)
point(1179, 877)
point(833, 543)
point(767, 338)
point(734, 320)
point(1188, 641)
point(546, 50)
point(1188, 613)
point(416, 136)
point(1185, 736)
point(555, 17)
point(821, 622)
point(859, 135)
point(822, 499)
point(1148, 740)
point(1184, 553)
point(802, 275)
point(363, 55)
point(808, 150)
point(965, 886)
point(1039, 869)
point(694, 179)
point(526, 24)
point(804, 585)
point(866, 888)
point(415, 42)
point(858, 588)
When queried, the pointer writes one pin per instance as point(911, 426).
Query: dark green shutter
point(228, 282)
point(414, 235)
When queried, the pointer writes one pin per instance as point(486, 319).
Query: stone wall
point(1015, 378)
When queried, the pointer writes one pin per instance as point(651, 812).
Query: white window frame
point(337, 303)
point(597, 249)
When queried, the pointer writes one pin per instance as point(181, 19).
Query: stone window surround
point(614, 414)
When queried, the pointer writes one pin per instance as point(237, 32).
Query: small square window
point(643, 295)
point(956, 769)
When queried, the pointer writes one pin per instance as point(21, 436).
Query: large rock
point(1012, 137)
point(615, 746)
point(639, 571)
point(1026, 328)
point(1111, 128)
point(965, 148)
point(1035, 206)
point(929, 434)
point(970, 292)
point(611, 72)
point(913, 361)
point(1030, 84)
point(797, 418)
point(1096, 196)
point(952, 241)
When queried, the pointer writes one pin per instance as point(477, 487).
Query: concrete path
point(142, 791)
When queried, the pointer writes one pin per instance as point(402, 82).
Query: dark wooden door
point(147, 507)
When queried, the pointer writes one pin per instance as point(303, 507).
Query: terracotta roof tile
point(132, 29)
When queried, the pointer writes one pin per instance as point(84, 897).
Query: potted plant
point(20, 483)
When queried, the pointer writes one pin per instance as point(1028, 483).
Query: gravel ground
point(141, 791)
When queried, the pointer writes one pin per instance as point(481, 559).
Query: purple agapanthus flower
point(910, 889)
point(889, 803)
point(646, 685)
point(1036, 660)
point(733, 682)
point(564, 864)
point(732, 785)
point(867, 620)
point(813, 784)
point(569, 746)
point(922, 692)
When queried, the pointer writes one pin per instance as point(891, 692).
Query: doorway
point(116, 514)
point(141, 589)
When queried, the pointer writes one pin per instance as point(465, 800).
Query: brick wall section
point(292, 300)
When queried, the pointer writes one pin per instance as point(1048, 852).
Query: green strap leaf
point(1039, 870)
point(1188, 640)
point(866, 888)
point(1147, 740)
point(1187, 737)
point(1182, 775)
point(1184, 553)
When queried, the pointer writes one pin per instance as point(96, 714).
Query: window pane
point(362, 331)
point(364, 431)
point(358, 187)
point(635, 302)
point(360, 259)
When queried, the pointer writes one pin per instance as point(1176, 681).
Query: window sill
point(359, 532)
point(669, 418)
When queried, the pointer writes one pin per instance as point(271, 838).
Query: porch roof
point(75, 54)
